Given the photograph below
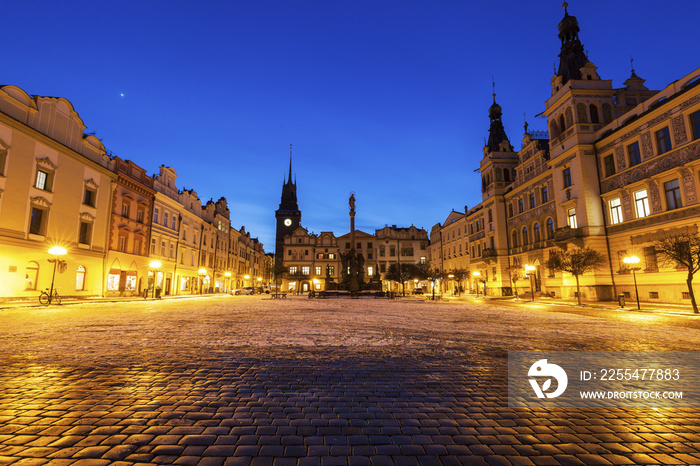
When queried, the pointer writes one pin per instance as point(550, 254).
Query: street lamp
point(55, 252)
point(476, 275)
point(633, 260)
point(228, 281)
point(449, 285)
point(202, 273)
point(155, 265)
point(529, 271)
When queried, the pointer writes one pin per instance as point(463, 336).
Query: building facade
point(617, 169)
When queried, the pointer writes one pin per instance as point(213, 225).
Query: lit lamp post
point(55, 251)
point(529, 271)
point(228, 281)
point(476, 276)
point(202, 273)
point(451, 277)
point(629, 261)
point(247, 277)
point(155, 265)
point(259, 279)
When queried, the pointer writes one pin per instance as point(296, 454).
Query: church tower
point(288, 215)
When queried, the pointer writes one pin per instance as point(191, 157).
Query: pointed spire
point(290, 164)
point(572, 57)
point(634, 75)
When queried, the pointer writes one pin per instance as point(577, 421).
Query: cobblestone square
point(249, 380)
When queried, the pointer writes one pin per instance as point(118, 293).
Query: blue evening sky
point(385, 98)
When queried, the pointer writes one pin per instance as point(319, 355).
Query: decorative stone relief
point(654, 196)
point(627, 204)
point(672, 159)
point(691, 196)
point(690, 102)
point(679, 134)
point(647, 150)
point(620, 157)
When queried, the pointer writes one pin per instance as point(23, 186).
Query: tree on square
point(576, 262)
point(683, 252)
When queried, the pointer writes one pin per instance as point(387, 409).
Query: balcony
point(569, 235)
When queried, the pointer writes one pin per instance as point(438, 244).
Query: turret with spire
point(572, 57)
point(498, 140)
point(288, 215)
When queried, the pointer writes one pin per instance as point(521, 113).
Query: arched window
point(506, 175)
point(594, 114)
point(31, 275)
point(515, 239)
point(536, 232)
point(569, 117)
point(581, 113)
point(553, 130)
point(550, 228)
point(607, 113)
point(525, 237)
point(562, 123)
point(80, 279)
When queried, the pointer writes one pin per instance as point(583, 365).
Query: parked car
point(417, 291)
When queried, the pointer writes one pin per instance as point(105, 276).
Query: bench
point(278, 295)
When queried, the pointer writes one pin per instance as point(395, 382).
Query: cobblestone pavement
point(245, 380)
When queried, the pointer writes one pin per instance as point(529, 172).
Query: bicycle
point(45, 298)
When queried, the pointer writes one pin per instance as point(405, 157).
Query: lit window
point(673, 194)
point(292, 270)
point(615, 211)
point(318, 270)
point(572, 218)
point(370, 271)
point(305, 270)
point(42, 180)
point(641, 202)
point(80, 279)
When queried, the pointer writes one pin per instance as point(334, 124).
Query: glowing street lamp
point(529, 271)
point(633, 260)
point(202, 273)
point(476, 276)
point(55, 251)
point(155, 265)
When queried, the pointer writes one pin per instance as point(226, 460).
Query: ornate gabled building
point(619, 169)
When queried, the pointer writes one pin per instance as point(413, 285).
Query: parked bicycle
point(45, 298)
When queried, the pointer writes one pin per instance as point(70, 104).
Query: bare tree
point(682, 251)
point(576, 262)
point(403, 272)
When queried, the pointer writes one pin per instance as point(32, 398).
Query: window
point(594, 114)
point(392, 252)
point(318, 270)
point(422, 260)
point(650, 259)
point(125, 209)
point(515, 239)
point(43, 180)
point(609, 165)
point(331, 270)
point(673, 194)
point(331, 256)
point(536, 232)
point(292, 270)
point(37, 221)
point(3, 157)
point(153, 246)
point(165, 219)
point(172, 251)
point(31, 274)
point(162, 248)
point(520, 206)
point(139, 216)
point(567, 177)
point(305, 270)
point(545, 195)
point(113, 280)
point(347, 245)
point(663, 140)
point(510, 210)
point(506, 174)
point(694, 126)
point(369, 245)
point(526, 238)
point(80, 279)
point(155, 215)
point(615, 211)
point(122, 243)
point(634, 155)
point(137, 246)
point(84, 233)
point(550, 228)
point(490, 216)
point(641, 202)
point(174, 225)
point(572, 218)
point(381, 252)
point(370, 271)
point(89, 197)
point(532, 200)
